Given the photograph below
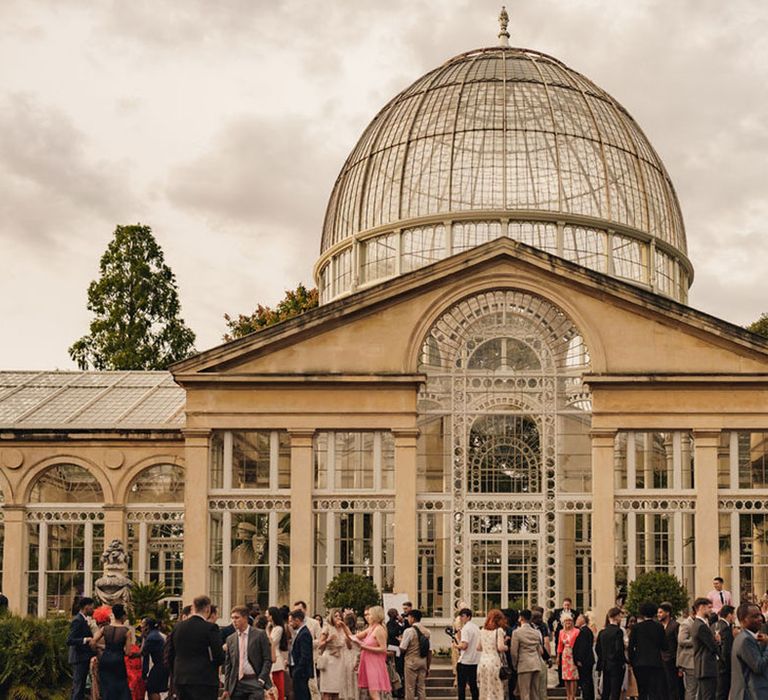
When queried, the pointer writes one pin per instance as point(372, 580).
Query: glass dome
point(503, 142)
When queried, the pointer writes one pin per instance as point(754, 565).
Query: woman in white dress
point(491, 645)
point(278, 636)
point(334, 640)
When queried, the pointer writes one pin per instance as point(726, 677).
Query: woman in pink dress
point(372, 674)
point(565, 655)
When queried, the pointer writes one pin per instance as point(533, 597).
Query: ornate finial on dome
point(503, 24)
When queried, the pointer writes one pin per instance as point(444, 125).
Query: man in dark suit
point(248, 659)
point(195, 654)
point(300, 659)
point(80, 651)
point(646, 640)
point(584, 658)
point(723, 628)
point(749, 656)
point(610, 656)
point(704, 650)
point(674, 683)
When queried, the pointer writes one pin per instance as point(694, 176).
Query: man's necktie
point(722, 599)
point(243, 641)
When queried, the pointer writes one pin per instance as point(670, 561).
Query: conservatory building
point(502, 398)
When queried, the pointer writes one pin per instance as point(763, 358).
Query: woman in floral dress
point(565, 655)
point(491, 646)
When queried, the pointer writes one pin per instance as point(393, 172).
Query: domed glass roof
point(503, 141)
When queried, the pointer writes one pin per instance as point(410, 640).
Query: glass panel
point(433, 449)
point(486, 575)
point(320, 453)
point(216, 552)
point(354, 460)
point(354, 543)
point(654, 460)
point(753, 464)
point(163, 483)
point(753, 554)
point(66, 483)
point(216, 457)
point(628, 259)
point(522, 574)
point(504, 455)
point(725, 568)
point(724, 461)
point(165, 550)
point(378, 257)
point(574, 449)
point(283, 460)
point(387, 460)
point(422, 246)
point(250, 459)
point(434, 564)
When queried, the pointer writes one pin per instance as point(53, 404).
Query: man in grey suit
point(704, 650)
point(248, 660)
point(685, 656)
point(526, 657)
point(749, 657)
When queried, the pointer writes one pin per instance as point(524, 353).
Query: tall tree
point(760, 326)
point(135, 303)
point(294, 303)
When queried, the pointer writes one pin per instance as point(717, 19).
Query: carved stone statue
point(114, 586)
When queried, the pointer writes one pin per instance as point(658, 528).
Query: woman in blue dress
point(154, 670)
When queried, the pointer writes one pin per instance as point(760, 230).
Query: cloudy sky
point(224, 124)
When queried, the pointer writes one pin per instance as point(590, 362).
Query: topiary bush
point(33, 662)
point(354, 591)
point(656, 587)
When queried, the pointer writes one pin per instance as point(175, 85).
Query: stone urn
point(114, 586)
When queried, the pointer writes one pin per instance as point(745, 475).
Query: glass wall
point(250, 557)
point(352, 461)
point(654, 460)
point(250, 459)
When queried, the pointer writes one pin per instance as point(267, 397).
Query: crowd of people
point(713, 652)
point(281, 653)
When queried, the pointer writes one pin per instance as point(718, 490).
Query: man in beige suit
point(526, 657)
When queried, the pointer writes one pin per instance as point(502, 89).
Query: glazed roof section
point(90, 400)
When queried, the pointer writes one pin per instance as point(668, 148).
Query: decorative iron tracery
point(530, 367)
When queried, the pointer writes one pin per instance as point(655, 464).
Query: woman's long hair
point(494, 619)
point(277, 621)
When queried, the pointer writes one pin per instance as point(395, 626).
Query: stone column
point(302, 519)
point(603, 523)
point(14, 585)
point(706, 543)
point(114, 526)
point(406, 534)
point(196, 544)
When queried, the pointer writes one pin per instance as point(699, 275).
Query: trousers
point(415, 679)
point(466, 674)
point(528, 685)
point(613, 678)
point(79, 677)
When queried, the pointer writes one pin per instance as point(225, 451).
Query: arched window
point(162, 483)
point(504, 455)
point(66, 483)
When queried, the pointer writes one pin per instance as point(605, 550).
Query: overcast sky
point(223, 126)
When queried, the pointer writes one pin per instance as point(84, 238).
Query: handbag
point(504, 667)
point(322, 662)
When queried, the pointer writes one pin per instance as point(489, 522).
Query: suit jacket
point(669, 650)
point(259, 656)
point(79, 629)
point(704, 650)
point(583, 649)
point(646, 640)
point(610, 649)
point(685, 644)
point(749, 668)
point(725, 630)
point(300, 658)
point(526, 649)
point(195, 653)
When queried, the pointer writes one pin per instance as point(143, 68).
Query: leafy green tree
point(760, 326)
point(147, 601)
point(348, 590)
point(135, 303)
point(294, 303)
point(656, 587)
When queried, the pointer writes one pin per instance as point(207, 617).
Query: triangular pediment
point(376, 332)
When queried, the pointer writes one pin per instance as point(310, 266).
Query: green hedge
point(33, 660)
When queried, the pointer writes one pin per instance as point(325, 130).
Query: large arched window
point(65, 533)
point(504, 455)
point(66, 483)
point(163, 483)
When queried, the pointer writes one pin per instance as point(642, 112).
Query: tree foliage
point(33, 661)
point(294, 303)
point(147, 601)
point(347, 590)
point(760, 326)
point(135, 302)
point(656, 587)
